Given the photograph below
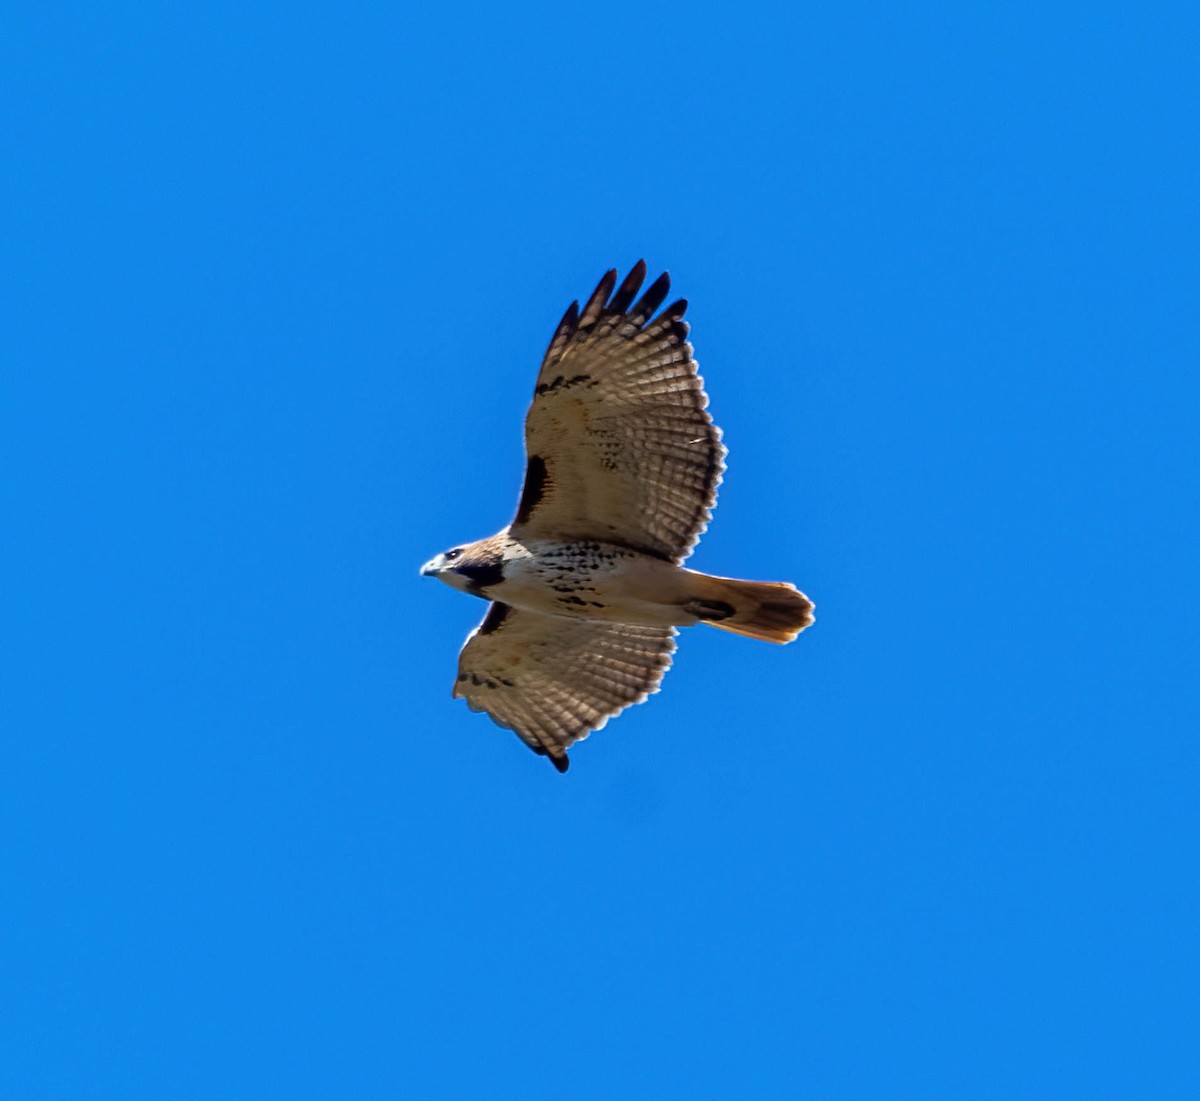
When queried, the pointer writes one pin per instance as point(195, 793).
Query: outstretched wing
point(552, 680)
point(619, 447)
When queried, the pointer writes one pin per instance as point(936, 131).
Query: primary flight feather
point(586, 583)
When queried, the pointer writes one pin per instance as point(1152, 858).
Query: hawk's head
point(473, 567)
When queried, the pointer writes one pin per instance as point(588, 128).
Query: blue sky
point(276, 284)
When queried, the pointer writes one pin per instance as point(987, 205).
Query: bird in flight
point(586, 584)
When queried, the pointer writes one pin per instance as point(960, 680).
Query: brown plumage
point(623, 464)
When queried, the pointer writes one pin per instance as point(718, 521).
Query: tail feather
point(772, 611)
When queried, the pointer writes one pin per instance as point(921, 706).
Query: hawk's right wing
point(553, 680)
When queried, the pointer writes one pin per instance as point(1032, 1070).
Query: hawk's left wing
point(619, 444)
point(553, 680)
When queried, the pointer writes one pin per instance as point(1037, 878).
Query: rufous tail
point(773, 611)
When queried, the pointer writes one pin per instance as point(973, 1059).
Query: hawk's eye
point(451, 555)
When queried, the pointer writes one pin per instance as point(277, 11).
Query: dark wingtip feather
point(595, 303)
point(670, 324)
point(561, 763)
point(652, 299)
point(629, 288)
point(566, 329)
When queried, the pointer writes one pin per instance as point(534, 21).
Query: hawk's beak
point(430, 568)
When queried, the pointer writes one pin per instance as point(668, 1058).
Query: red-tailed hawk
point(586, 584)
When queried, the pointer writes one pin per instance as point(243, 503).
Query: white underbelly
point(615, 585)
